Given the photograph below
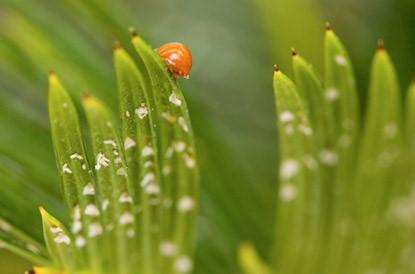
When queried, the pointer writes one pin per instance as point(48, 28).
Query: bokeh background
point(234, 45)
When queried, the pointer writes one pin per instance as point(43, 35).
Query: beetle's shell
point(177, 57)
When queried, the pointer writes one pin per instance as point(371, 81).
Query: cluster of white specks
point(130, 233)
point(102, 161)
point(56, 229)
point(174, 99)
point(182, 123)
point(183, 265)
point(287, 192)
point(127, 113)
point(328, 157)
point(80, 242)
point(390, 130)
point(121, 171)
point(66, 169)
point(76, 156)
point(147, 151)
point(141, 111)
point(179, 146)
point(306, 130)
point(5, 226)
point(129, 143)
point(83, 166)
point(125, 198)
point(331, 94)
point(94, 230)
point(340, 60)
point(147, 179)
point(166, 170)
point(126, 218)
point(168, 249)
point(148, 164)
point(185, 204)
point(289, 168)
point(104, 204)
point(62, 239)
point(88, 190)
point(91, 210)
point(286, 116)
point(118, 160)
point(76, 226)
point(110, 142)
point(189, 161)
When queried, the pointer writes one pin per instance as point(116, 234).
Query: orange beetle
point(177, 57)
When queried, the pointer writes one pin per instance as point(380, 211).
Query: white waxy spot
point(76, 213)
point(76, 226)
point(130, 233)
point(307, 131)
point(169, 117)
point(83, 166)
point(101, 161)
point(147, 179)
point(168, 249)
point(88, 190)
point(286, 116)
point(105, 203)
point(121, 171)
point(182, 123)
point(115, 152)
point(5, 226)
point(287, 192)
point(65, 105)
point(340, 60)
point(185, 204)
point(129, 143)
point(62, 239)
point(91, 210)
point(66, 169)
point(127, 113)
point(80, 242)
point(118, 160)
point(94, 230)
point(125, 198)
point(110, 142)
point(179, 146)
point(56, 229)
point(189, 161)
point(310, 162)
point(169, 152)
point(126, 218)
point(390, 131)
point(289, 168)
point(147, 151)
point(141, 111)
point(148, 164)
point(331, 94)
point(328, 157)
point(76, 156)
point(32, 248)
point(183, 265)
point(152, 189)
point(174, 100)
point(167, 170)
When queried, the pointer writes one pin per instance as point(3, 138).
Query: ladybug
point(177, 57)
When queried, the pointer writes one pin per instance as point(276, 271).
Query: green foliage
point(345, 182)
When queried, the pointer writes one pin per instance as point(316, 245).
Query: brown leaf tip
point(328, 26)
point(133, 31)
point(116, 45)
point(293, 52)
point(381, 44)
point(51, 72)
point(276, 68)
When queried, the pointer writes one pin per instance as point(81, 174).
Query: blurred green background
point(234, 45)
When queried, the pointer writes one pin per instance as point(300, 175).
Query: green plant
point(345, 202)
point(130, 187)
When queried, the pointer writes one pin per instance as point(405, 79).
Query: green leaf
point(250, 261)
point(410, 118)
